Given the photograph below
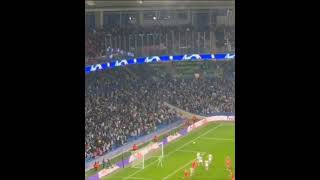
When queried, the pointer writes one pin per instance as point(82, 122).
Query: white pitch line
point(174, 172)
point(175, 150)
point(218, 139)
point(139, 178)
point(191, 151)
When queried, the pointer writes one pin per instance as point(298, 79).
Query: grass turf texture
point(216, 139)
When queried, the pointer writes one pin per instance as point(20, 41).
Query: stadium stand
point(123, 104)
point(155, 40)
point(126, 103)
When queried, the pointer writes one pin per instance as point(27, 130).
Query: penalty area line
point(203, 134)
point(190, 151)
point(217, 139)
point(136, 178)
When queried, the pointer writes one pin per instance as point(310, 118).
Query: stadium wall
point(165, 141)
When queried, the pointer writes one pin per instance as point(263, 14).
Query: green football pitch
point(216, 139)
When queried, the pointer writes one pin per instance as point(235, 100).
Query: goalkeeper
point(160, 159)
point(109, 164)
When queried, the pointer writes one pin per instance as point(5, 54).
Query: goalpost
point(151, 150)
point(138, 161)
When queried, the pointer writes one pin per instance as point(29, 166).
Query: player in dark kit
point(104, 163)
point(109, 163)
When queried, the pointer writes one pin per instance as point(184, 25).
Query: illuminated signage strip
point(164, 58)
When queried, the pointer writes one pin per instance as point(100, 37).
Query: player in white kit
point(191, 171)
point(198, 157)
point(206, 165)
point(200, 160)
point(210, 158)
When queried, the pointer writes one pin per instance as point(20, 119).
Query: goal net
point(138, 157)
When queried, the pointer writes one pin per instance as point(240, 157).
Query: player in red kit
point(96, 166)
point(228, 164)
point(194, 164)
point(193, 168)
point(186, 174)
point(232, 176)
point(134, 147)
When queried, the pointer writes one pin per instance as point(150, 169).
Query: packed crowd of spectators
point(206, 96)
point(96, 46)
point(121, 108)
point(129, 102)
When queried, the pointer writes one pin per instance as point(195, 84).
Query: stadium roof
point(134, 4)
